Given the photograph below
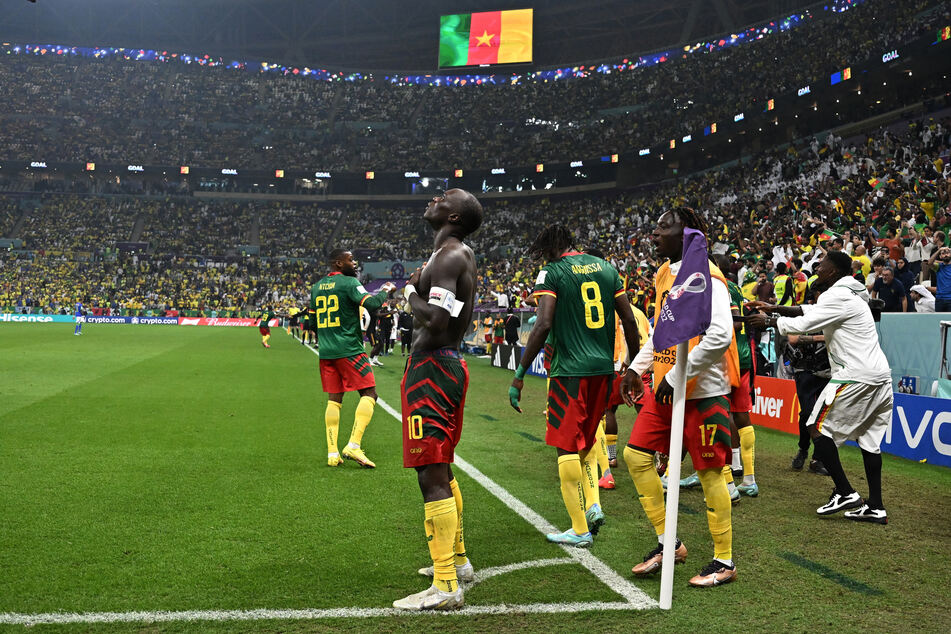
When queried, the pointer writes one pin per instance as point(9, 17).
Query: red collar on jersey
point(334, 273)
point(567, 253)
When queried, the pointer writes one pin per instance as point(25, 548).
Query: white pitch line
point(488, 573)
point(636, 597)
point(60, 618)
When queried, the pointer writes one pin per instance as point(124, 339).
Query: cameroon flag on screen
point(491, 37)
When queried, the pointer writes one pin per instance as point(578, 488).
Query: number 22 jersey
point(582, 333)
point(335, 303)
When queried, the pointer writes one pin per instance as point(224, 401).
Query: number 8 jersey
point(335, 303)
point(582, 332)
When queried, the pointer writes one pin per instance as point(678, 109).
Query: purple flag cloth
point(686, 310)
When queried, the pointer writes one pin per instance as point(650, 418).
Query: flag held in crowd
point(685, 312)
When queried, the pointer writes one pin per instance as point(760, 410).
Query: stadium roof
point(370, 34)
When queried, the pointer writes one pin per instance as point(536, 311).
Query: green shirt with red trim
point(582, 332)
point(335, 303)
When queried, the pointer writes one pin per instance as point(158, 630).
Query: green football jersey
point(335, 303)
point(742, 339)
point(582, 334)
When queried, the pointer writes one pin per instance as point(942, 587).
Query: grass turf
point(154, 468)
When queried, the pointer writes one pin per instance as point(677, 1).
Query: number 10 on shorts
point(415, 427)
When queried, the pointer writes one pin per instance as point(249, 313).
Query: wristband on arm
point(520, 372)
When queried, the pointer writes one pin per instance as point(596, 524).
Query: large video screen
point(481, 39)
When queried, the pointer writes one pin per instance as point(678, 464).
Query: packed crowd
point(883, 198)
point(132, 285)
point(116, 110)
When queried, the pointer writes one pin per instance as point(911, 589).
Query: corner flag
point(685, 312)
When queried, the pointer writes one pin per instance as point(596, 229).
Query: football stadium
point(488, 316)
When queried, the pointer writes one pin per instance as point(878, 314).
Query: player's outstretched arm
point(445, 270)
point(536, 339)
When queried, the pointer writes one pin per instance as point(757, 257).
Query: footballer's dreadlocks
point(690, 218)
point(553, 238)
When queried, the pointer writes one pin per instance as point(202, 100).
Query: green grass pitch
point(150, 468)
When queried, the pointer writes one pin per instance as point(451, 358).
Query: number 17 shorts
point(706, 429)
point(433, 394)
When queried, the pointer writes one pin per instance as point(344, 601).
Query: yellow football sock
point(264, 338)
point(589, 469)
point(601, 447)
point(362, 418)
point(332, 422)
point(747, 451)
point(719, 512)
point(441, 524)
point(459, 546)
point(571, 476)
point(651, 492)
point(727, 474)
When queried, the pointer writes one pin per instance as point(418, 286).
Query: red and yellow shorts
point(575, 407)
point(741, 401)
point(348, 374)
point(264, 330)
point(433, 398)
point(706, 429)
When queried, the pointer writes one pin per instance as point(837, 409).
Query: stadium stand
point(127, 244)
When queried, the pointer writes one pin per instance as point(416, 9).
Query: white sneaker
point(376, 363)
point(432, 598)
point(839, 502)
point(464, 573)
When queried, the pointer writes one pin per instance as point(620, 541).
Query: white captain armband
point(445, 299)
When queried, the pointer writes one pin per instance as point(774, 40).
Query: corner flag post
point(673, 476)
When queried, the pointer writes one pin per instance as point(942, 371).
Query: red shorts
point(488, 338)
point(575, 407)
point(433, 399)
point(264, 330)
point(741, 401)
point(706, 429)
point(498, 340)
point(348, 374)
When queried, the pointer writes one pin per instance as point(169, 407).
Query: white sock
point(737, 462)
point(353, 445)
point(748, 480)
point(731, 487)
point(333, 455)
point(728, 562)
